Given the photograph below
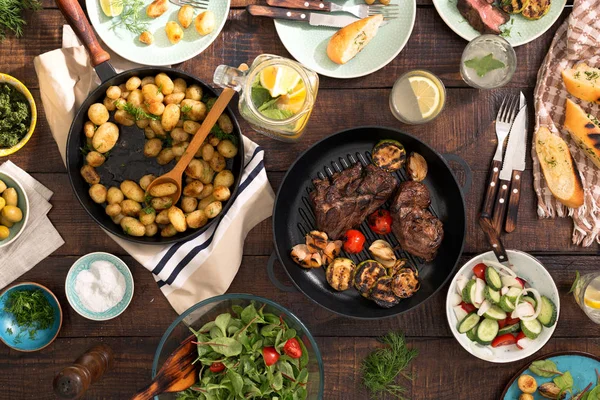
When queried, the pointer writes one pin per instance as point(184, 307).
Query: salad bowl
point(526, 268)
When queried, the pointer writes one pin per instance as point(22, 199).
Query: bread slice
point(584, 129)
point(350, 40)
point(558, 167)
point(583, 82)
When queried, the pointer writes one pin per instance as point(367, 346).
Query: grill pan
point(127, 160)
point(293, 217)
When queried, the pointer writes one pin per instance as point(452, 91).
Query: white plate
point(161, 52)
point(526, 267)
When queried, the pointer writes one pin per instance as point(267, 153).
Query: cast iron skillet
point(293, 218)
point(126, 160)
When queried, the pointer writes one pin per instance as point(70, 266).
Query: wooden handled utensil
point(174, 177)
point(177, 373)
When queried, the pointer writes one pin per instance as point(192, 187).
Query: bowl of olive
point(14, 209)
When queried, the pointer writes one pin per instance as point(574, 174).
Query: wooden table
point(443, 369)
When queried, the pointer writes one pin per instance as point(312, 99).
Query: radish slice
point(479, 288)
point(538, 304)
point(460, 313)
point(511, 281)
point(523, 311)
point(502, 267)
point(486, 305)
point(524, 343)
point(461, 282)
point(455, 299)
point(504, 290)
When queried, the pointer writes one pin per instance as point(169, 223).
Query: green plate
point(23, 204)
point(519, 30)
point(161, 52)
point(308, 44)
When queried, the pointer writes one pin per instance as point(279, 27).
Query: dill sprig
point(381, 368)
point(11, 15)
point(131, 17)
point(138, 113)
point(31, 311)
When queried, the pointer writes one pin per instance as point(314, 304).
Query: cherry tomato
point(511, 321)
point(217, 367)
point(354, 241)
point(468, 307)
point(292, 348)
point(270, 355)
point(501, 323)
point(479, 270)
point(380, 222)
point(520, 336)
point(504, 340)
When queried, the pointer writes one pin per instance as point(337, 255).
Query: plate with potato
point(156, 32)
point(14, 209)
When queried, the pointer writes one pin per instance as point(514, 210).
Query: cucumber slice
point(468, 322)
point(487, 331)
point(506, 304)
point(514, 328)
point(466, 293)
point(513, 293)
point(495, 313)
point(548, 312)
point(491, 295)
point(492, 277)
point(531, 329)
point(530, 300)
point(472, 334)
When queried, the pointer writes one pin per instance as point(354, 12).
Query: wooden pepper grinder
point(73, 381)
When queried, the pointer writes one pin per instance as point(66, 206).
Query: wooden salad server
point(177, 373)
point(175, 175)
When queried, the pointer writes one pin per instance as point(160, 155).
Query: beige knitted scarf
point(577, 40)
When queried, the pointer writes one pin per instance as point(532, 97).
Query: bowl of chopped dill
point(30, 316)
point(18, 115)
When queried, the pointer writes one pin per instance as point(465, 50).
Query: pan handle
point(271, 273)
point(465, 166)
point(79, 22)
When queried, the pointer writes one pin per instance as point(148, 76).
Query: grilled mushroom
point(316, 241)
point(416, 167)
point(550, 391)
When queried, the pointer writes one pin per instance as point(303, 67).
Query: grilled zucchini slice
point(405, 283)
point(339, 273)
point(536, 9)
point(389, 155)
point(513, 6)
point(367, 273)
point(382, 293)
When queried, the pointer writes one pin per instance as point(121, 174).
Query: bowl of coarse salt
point(99, 286)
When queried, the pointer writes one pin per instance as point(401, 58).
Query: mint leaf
point(483, 65)
point(544, 368)
point(260, 96)
point(575, 282)
point(275, 113)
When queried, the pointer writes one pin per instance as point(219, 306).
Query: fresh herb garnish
point(266, 104)
point(381, 368)
point(594, 120)
point(138, 113)
point(186, 109)
point(591, 75)
point(544, 368)
point(31, 311)
point(11, 18)
point(131, 17)
point(483, 65)
point(575, 282)
point(15, 116)
point(218, 132)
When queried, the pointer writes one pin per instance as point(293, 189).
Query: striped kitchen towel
point(186, 272)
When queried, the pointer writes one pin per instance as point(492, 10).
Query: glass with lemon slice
point(417, 97)
point(587, 295)
point(277, 95)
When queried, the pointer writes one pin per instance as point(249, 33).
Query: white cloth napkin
point(186, 272)
point(39, 239)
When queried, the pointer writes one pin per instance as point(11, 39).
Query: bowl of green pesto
point(18, 115)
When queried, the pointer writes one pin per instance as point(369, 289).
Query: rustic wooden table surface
point(443, 369)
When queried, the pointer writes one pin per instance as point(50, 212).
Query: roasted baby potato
point(98, 193)
point(225, 123)
point(196, 219)
point(89, 129)
point(132, 191)
point(88, 173)
point(146, 37)
point(157, 8)
point(224, 178)
point(213, 209)
point(95, 159)
point(4, 232)
point(193, 189)
point(133, 227)
point(151, 230)
point(130, 208)
point(170, 117)
point(98, 114)
point(147, 215)
point(114, 195)
point(112, 210)
point(189, 204)
point(161, 203)
point(177, 219)
point(146, 180)
point(163, 189)
point(185, 16)
point(105, 137)
point(165, 156)
point(217, 162)
point(205, 22)
point(10, 196)
point(174, 32)
point(221, 193)
point(168, 231)
point(12, 214)
point(527, 384)
point(227, 149)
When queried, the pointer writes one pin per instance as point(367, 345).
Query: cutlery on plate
point(512, 169)
point(360, 10)
point(199, 4)
point(314, 19)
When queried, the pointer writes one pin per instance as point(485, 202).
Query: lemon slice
point(293, 101)
point(592, 297)
point(427, 94)
point(112, 8)
point(279, 80)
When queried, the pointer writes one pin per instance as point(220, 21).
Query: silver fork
point(199, 4)
point(363, 10)
point(504, 120)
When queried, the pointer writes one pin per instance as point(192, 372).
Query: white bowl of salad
point(502, 314)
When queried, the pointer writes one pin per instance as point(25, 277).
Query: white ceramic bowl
point(23, 204)
point(526, 267)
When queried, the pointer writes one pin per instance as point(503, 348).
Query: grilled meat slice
point(344, 201)
point(482, 15)
point(419, 233)
point(410, 194)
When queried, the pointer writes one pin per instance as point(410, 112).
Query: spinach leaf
point(544, 368)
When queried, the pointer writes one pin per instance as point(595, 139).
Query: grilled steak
point(418, 231)
point(344, 201)
point(482, 16)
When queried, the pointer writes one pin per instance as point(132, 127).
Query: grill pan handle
point(274, 280)
point(466, 187)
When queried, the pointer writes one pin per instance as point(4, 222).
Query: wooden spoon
point(177, 373)
point(175, 175)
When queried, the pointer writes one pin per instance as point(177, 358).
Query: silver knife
point(313, 18)
point(511, 172)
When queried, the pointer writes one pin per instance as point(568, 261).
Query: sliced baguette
point(558, 167)
point(350, 40)
point(583, 82)
point(583, 130)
